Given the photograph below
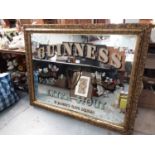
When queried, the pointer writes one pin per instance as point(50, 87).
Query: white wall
point(114, 40)
point(55, 38)
point(131, 20)
point(153, 35)
point(128, 41)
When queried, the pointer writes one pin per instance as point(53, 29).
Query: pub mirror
point(89, 72)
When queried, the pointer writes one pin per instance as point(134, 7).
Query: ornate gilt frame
point(143, 33)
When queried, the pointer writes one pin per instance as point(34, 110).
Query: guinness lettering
point(100, 53)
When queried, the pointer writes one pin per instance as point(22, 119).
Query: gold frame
point(143, 33)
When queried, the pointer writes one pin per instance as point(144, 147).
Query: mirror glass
point(84, 73)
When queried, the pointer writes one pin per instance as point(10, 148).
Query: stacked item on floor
point(8, 96)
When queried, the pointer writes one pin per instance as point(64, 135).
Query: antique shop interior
point(77, 76)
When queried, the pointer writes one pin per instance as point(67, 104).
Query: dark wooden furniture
point(147, 98)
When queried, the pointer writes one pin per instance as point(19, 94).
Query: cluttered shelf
point(152, 45)
point(147, 99)
point(149, 80)
point(88, 64)
point(9, 51)
point(150, 62)
point(14, 63)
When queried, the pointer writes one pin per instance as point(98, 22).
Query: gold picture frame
point(143, 37)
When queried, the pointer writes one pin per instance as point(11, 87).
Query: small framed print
point(82, 87)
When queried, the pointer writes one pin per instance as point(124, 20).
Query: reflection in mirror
point(88, 74)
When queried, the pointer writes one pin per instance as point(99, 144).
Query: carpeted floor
point(23, 118)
